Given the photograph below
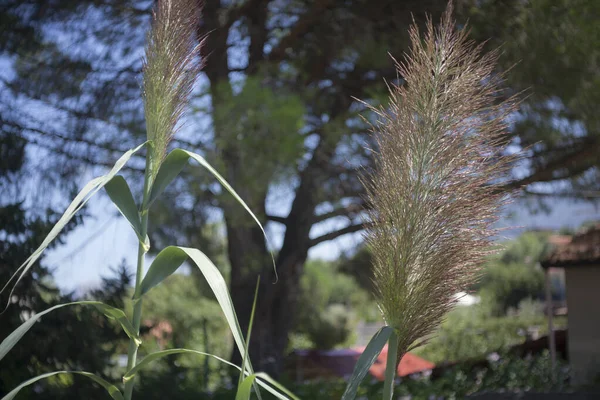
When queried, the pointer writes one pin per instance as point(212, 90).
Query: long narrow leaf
point(163, 265)
point(219, 287)
point(244, 390)
point(200, 160)
point(176, 161)
point(171, 258)
point(111, 389)
point(169, 169)
point(163, 353)
point(366, 360)
point(113, 313)
point(261, 378)
point(80, 200)
point(120, 194)
point(248, 336)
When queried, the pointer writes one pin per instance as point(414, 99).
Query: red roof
point(582, 249)
point(410, 364)
point(331, 363)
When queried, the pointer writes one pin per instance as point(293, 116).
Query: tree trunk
point(275, 312)
point(277, 301)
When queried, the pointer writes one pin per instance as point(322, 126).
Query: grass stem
point(142, 249)
point(391, 367)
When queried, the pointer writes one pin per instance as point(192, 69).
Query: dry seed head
point(170, 69)
point(434, 192)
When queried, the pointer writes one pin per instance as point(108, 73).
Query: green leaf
point(160, 354)
point(366, 360)
point(111, 389)
point(245, 359)
point(165, 264)
point(173, 164)
point(113, 313)
point(171, 258)
point(245, 388)
point(90, 189)
point(200, 160)
point(261, 378)
point(120, 194)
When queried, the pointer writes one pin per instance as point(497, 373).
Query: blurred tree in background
point(274, 112)
point(551, 48)
point(515, 274)
point(332, 305)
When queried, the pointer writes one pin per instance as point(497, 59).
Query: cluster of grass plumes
point(170, 69)
point(434, 192)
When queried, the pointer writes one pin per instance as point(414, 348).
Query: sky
point(106, 239)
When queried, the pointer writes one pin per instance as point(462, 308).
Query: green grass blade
point(390, 367)
point(248, 336)
point(171, 258)
point(118, 315)
point(366, 360)
point(172, 166)
point(261, 378)
point(111, 389)
point(160, 354)
point(165, 264)
point(200, 160)
point(174, 162)
point(80, 200)
point(114, 313)
point(120, 194)
point(219, 287)
point(245, 387)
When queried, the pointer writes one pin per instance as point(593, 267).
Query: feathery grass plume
point(170, 69)
point(434, 191)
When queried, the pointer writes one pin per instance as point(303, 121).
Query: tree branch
point(335, 234)
point(301, 27)
point(276, 218)
point(576, 194)
point(240, 11)
point(576, 161)
point(348, 210)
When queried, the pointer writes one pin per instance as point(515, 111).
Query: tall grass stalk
point(435, 191)
point(170, 69)
point(137, 307)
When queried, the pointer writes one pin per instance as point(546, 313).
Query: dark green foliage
point(504, 286)
point(552, 47)
point(331, 305)
point(471, 333)
point(507, 374)
point(514, 275)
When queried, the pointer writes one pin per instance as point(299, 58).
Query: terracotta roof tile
point(340, 363)
point(582, 249)
point(410, 364)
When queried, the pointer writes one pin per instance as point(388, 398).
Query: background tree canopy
point(274, 112)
